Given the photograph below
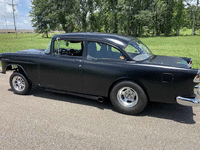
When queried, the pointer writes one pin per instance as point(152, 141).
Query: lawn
point(184, 46)
point(8, 42)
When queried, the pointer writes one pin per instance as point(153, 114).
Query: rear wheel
point(19, 83)
point(128, 97)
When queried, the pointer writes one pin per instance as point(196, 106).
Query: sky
point(22, 9)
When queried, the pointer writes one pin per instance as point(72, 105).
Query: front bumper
point(190, 101)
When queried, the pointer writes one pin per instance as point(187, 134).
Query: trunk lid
point(168, 61)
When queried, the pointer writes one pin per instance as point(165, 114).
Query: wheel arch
point(128, 79)
point(18, 68)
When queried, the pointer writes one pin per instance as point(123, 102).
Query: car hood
point(32, 51)
point(168, 61)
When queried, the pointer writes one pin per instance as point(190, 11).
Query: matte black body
point(163, 78)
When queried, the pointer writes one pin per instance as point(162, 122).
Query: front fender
point(3, 65)
point(7, 66)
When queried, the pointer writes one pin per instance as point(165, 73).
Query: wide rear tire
point(128, 98)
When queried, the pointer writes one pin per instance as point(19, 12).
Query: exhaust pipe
point(100, 99)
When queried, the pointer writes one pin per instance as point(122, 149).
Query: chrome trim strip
point(160, 66)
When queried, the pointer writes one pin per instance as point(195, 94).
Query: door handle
point(78, 60)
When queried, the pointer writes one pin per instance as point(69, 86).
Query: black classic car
point(99, 65)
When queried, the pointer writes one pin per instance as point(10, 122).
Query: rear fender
point(127, 79)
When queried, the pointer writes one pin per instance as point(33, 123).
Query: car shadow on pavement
point(59, 96)
point(175, 112)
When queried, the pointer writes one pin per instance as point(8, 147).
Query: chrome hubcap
point(18, 83)
point(127, 97)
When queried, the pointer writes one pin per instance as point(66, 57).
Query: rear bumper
point(190, 101)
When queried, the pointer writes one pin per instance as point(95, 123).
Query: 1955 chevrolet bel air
point(99, 65)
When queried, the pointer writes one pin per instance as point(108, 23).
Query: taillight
point(197, 77)
point(190, 63)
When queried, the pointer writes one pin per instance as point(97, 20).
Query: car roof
point(118, 40)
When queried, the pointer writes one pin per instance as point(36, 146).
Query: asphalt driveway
point(47, 120)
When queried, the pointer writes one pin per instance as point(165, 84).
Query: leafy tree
point(178, 16)
point(83, 15)
point(109, 11)
point(40, 18)
point(64, 12)
point(132, 17)
point(193, 12)
point(144, 18)
point(157, 8)
point(92, 19)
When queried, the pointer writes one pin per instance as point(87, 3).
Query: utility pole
point(13, 5)
point(5, 16)
point(6, 23)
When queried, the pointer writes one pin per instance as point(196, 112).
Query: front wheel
point(128, 97)
point(19, 83)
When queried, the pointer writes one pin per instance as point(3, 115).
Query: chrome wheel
point(127, 97)
point(18, 83)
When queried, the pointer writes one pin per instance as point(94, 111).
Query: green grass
point(183, 46)
point(188, 32)
point(8, 42)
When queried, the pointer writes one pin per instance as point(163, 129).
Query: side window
point(100, 50)
point(67, 47)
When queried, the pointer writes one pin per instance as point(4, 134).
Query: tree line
point(131, 17)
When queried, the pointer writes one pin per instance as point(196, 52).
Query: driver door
point(61, 69)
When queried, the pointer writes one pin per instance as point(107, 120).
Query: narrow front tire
point(19, 83)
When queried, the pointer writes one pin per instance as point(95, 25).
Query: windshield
point(48, 48)
point(138, 51)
